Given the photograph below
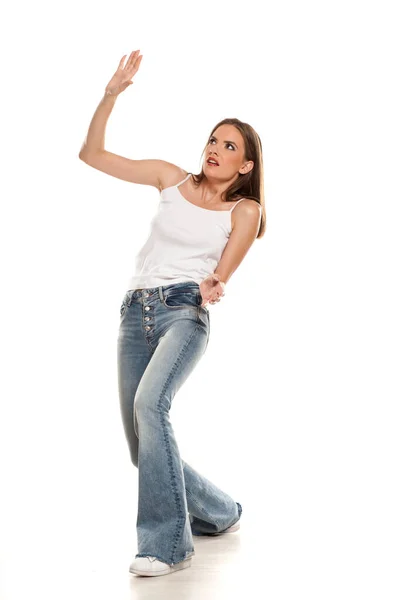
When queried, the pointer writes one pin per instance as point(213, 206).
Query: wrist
point(220, 280)
point(108, 94)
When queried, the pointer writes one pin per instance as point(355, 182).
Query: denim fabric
point(163, 333)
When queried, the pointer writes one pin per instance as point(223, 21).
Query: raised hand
point(123, 75)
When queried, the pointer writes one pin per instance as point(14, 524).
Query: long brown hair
point(249, 185)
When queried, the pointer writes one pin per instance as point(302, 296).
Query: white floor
point(218, 570)
point(299, 552)
point(316, 524)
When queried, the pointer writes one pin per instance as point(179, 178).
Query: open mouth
point(212, 164)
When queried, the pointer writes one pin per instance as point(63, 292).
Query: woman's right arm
point(153, 172)
point(147, 172)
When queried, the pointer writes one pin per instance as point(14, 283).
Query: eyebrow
point(225, 141)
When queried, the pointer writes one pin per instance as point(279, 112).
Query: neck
point(214, 189)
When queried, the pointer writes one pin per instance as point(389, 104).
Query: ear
point(247, 167)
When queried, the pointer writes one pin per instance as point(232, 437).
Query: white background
point(293, 408)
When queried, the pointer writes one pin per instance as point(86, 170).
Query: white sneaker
point(149, 565)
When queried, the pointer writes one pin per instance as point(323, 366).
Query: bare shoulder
point(171, 175)
point(248, 211)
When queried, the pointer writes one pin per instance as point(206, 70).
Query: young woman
point(197, 240)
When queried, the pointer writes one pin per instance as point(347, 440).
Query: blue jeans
point(163, 333)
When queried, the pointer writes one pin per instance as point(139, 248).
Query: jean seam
point(179, 528)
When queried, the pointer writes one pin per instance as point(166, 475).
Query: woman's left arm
point(247, 224)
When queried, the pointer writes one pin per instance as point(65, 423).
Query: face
point(226, 146)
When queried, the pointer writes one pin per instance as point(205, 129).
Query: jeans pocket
point(182, 298)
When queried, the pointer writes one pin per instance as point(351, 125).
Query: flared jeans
point(163, 333)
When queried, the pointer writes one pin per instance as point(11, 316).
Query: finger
point(121, 62)
point(134, 69)
point(131, 59)
point(135, 57)
point(137, 63)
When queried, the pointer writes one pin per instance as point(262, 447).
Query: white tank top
point(185, 242)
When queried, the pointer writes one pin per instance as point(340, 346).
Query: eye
point(213, 140)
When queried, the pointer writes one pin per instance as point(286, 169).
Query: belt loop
point(160, 293)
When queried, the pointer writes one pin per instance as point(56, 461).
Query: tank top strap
point(236, 203)
point(259, 205)
point(183, 180)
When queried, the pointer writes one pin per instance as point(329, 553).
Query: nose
point(211, 148)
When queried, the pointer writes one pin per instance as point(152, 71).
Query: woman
point(195, 244)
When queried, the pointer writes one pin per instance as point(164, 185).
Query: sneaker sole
point(163, 570)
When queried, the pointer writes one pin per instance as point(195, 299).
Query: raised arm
point(147, 172)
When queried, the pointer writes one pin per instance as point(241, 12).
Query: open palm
point(123, 75)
